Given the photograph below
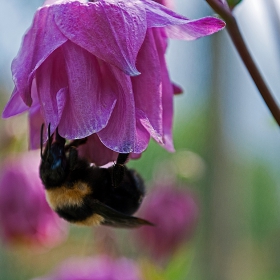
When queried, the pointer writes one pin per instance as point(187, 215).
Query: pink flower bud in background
point(175, 214)
point(25, 216)
point(95, 268)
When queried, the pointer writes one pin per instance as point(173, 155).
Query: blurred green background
point(227, 152)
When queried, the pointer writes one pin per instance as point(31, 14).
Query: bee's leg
point(49, 141)
point(119, 169)
point(73, 157)
point(58, 139)
point(41, 140)
point(75, 143)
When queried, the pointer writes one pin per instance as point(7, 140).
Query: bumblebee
point(84, 194)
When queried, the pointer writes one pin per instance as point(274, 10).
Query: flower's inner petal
point(167, 91)
point(112, 30)
point(143, 132)
point(119, 134)
point(15, 105)
point(35, 123)
point(40, 41)
point(123, 134)
point(180, 27)
point(52, 83)
point(90, 101)
point(145, 122)
point(94, 151)
point(147, 88)
point(35, 119)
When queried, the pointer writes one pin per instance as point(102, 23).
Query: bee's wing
point(116, 219)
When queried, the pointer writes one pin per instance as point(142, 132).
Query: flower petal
point(122, 133)
point(112, 30)
point(144, 125)
point(15, 105)
point(39, 42)
point(35, 122)
point(147, 88)
point(94, 151)
point(119, 134)
point(177, 89)
point(52, 82)
point(179, 27)
point(167, 91)
point(90, 101)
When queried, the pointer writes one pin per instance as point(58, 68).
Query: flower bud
point(175, 213)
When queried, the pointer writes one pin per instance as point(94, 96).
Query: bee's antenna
point(119, 169)
point(49, 138)
point(58, 139)
point(41, 144)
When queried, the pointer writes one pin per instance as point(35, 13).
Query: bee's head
point(53, 167)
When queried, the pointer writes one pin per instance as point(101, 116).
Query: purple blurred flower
point(25, 215)
point(98, 68)
point(95, 268)
point(174, 213)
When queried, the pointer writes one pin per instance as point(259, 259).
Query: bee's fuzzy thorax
point(89, 195)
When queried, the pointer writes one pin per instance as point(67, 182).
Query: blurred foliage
point(191, 135)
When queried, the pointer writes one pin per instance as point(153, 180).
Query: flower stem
point(235, 34)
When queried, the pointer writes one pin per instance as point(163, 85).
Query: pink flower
point(98, 69)
point(95, 268)
point(174, 213)
point(25, 215)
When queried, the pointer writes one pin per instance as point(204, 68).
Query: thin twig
point(236, 37)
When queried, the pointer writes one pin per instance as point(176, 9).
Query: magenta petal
point(14, 106)
point(123, 134)
point(35, 119)
point(113, 31)
point(39, 42)
point(35, 122)
point(195, 29)
point(147, 87)
point(119, 134)
point(145, 130)
point(94, 151)
point(179, 27)
point(167, 91)
point(51, 81)
point(90, 101)
point(177, 89)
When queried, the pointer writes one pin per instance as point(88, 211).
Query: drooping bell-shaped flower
point(25, 216)
point(95, 268)
point(97, 69)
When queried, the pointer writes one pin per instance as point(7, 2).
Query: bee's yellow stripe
point(62, 196)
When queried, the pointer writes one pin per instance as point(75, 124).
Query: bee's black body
point(85, 194)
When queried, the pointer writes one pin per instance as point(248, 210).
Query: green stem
point(236, 37)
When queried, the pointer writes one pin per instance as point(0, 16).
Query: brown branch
point(236, 37)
